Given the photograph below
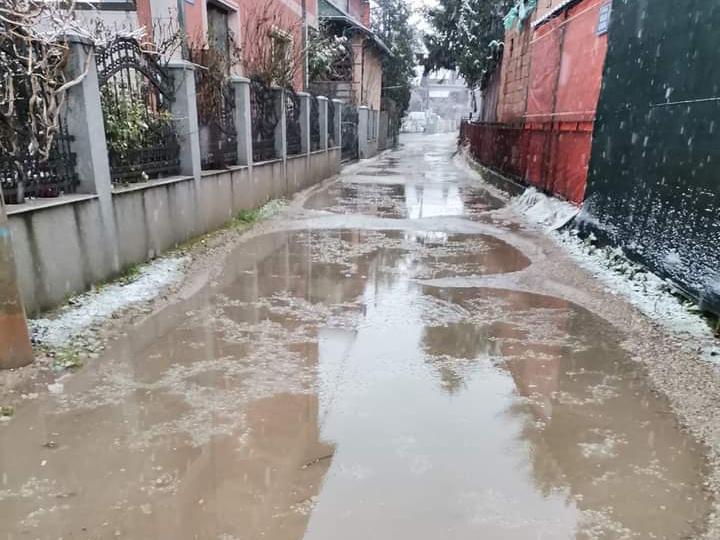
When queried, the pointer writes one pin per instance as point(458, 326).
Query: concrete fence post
point(184, 112)
point(305, 144)
point(323, 121)
point(15, 348)
point(281, 126)
point(243, 120)
point(84, 120)
point(363, 133)
point(337, 130)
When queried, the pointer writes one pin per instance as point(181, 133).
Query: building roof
point(330, 12)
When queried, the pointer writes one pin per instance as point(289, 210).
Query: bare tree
point(33, 83)
point(272, 50)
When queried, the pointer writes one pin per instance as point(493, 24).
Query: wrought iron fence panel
point(216, 116)
point(331, 123)
point(292, 122)
point(314, 123)
point(136, 93)
point(264, 119)
point(349, 133)
point(30, 176)
point(25, 173)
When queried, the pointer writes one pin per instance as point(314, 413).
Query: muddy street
point(394, 357)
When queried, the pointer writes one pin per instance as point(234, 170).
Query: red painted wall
point(567, 58)
point(552, 148)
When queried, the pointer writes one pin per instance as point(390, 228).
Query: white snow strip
point(99, 304)
point(652, 295)
point(462, 161)
point(549, 212)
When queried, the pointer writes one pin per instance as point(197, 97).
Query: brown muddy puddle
point(318, 391)
point(403, 200)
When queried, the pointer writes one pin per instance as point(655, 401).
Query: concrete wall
point(59, 245)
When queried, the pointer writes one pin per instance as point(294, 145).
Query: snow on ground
point(654, 296)
point(549, 212)
point(462, 160)
point(96, 305)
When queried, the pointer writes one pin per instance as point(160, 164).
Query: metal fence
point(216, 119)
point(349, 133)
point(314, 123)
point(549, 155)
point(136, 93)
point(292, 122)
point(30, 176)
point(263, 118)
point(25, 173)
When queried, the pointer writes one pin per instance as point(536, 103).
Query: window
point(281, 43)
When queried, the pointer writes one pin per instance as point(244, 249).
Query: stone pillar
point(281, 127)
point(243, 120)
point(15, 348)
point(184, 112)
point(84, 121)
point(323, 121)
point(305, 144)
point(337, 130)
point(363, 134)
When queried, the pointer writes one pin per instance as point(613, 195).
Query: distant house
point(444, 95)
point(358, 78)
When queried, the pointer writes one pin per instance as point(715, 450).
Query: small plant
point(130, 126)
point(7, 411)
point(326, 53)
point(67, 358)
point(247, 217)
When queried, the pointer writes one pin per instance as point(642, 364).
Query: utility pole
point(15, 348)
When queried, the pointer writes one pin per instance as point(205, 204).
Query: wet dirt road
point(351, 374)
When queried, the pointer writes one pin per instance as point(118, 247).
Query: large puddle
point(407, 201)
point(318, 390)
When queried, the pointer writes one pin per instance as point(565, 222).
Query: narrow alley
point(395, 356)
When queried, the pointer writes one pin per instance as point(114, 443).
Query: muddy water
point(318, 389)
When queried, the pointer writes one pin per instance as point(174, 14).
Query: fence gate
point(349, 133)
point(136, 93)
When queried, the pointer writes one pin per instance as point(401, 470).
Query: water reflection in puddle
point(318, 391)
point(412, 201)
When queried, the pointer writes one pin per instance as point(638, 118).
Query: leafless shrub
point(33, 82)
point(272, 50)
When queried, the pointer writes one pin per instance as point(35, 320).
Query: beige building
point(357, 78)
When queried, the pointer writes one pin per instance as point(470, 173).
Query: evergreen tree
point(465, 34)
point(391, 23)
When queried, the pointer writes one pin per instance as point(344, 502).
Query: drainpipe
point(305, 44)
point(183, 31)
